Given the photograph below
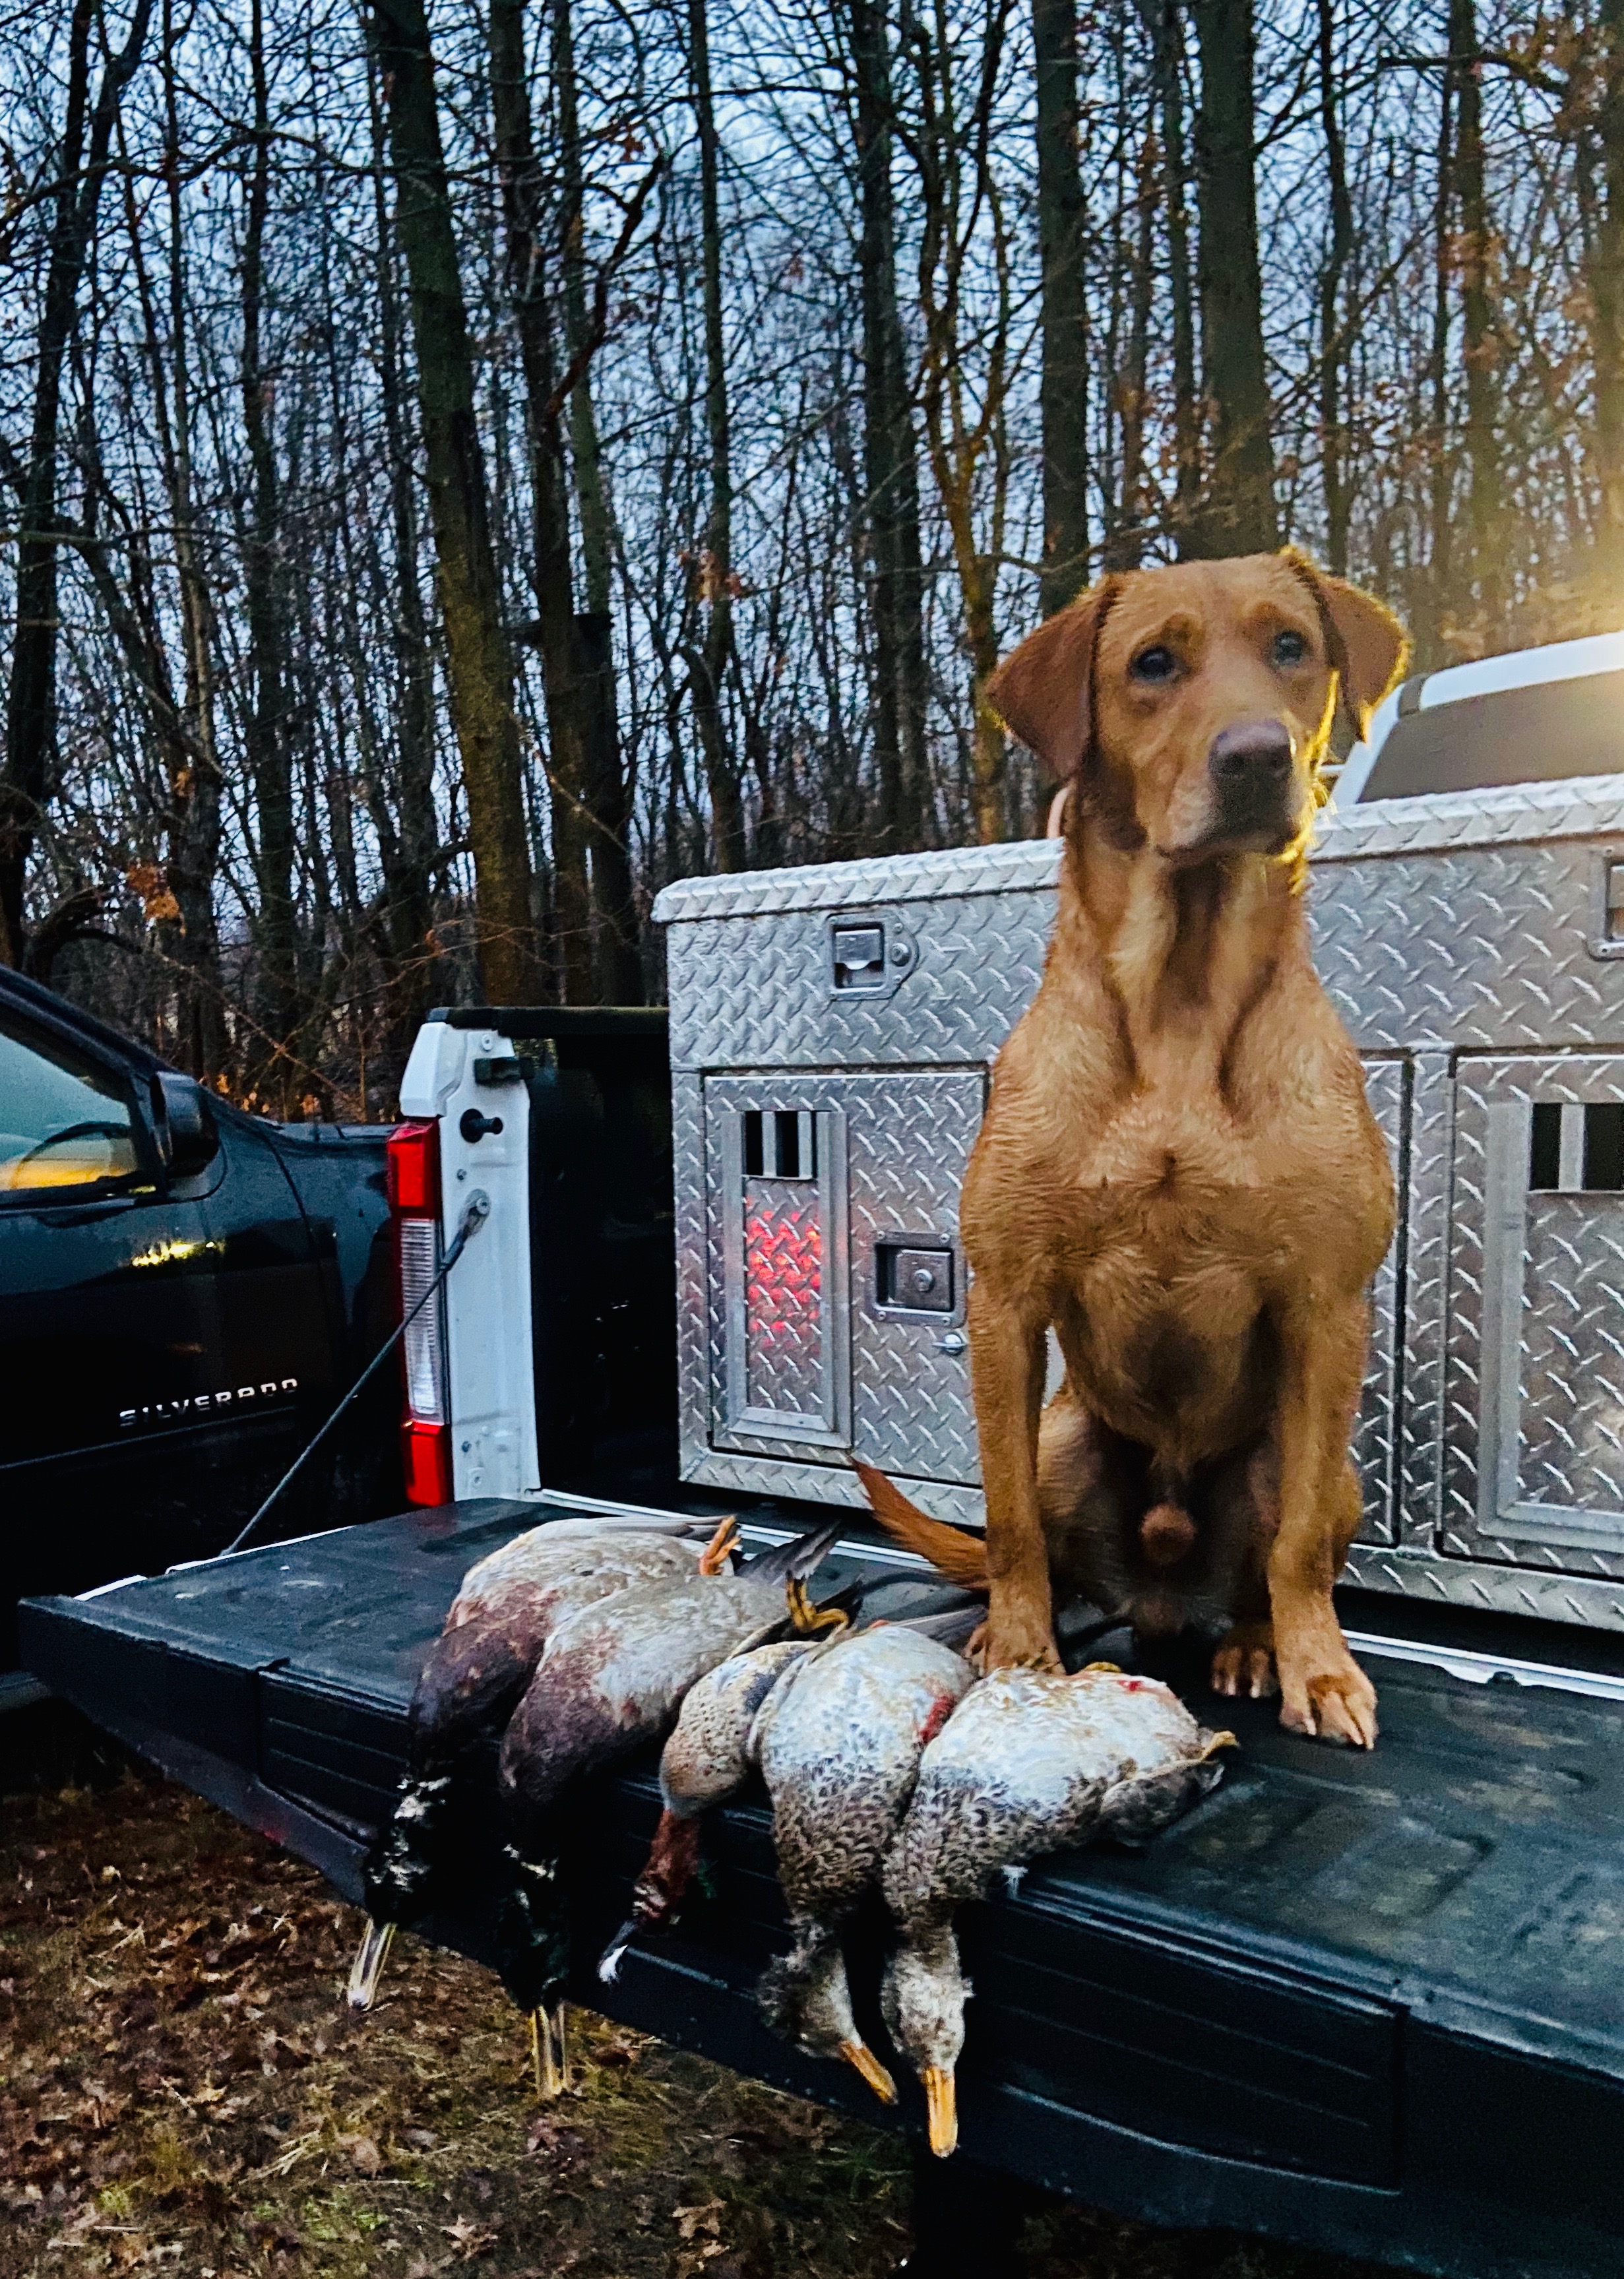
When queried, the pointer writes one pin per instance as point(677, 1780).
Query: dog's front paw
point(1020, 1646)
point(1325, 1693)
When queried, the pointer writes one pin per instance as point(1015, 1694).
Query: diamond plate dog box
point(832, 1031)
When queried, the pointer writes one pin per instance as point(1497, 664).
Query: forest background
point(459, 472)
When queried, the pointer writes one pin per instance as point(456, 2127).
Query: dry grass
point(183, 2091)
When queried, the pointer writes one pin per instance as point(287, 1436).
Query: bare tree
point(715, 576)
point(1238, 514)
point(962, 214)
point(31, 696)
point(1062, 241)
point(890, 452)
point(1333, 332)
point(562, 674)
point(477, 652)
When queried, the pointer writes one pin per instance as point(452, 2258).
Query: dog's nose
point(1256, 753)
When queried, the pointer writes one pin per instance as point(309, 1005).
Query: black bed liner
point(1375, 2004)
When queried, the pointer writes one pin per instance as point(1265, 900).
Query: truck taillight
point(414, 1168)
point(414, 1200)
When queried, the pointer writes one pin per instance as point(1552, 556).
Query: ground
point(183, 2091)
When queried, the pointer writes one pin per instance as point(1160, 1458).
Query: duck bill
point(548, 2055)
point(367, 1967)
point(941, 2110)
point(614, 1953)
point(858, 2053)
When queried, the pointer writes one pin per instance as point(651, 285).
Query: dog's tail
point(953, 1551)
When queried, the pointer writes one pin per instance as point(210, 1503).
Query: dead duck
point(475, 1672)
point(614, 1675)
point(705, 1761)
point(837, 1733)
point(1028, 1763)
point(611, 1678)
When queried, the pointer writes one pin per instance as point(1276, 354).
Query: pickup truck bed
point(1374, 2004)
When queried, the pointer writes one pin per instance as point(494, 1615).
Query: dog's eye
point(1289, 648)
point(1157, 663)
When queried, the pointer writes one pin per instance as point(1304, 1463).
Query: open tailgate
point(1372, 2002)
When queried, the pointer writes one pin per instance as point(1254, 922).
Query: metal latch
point(859, 956)
point(1607, 935)
point(497, 1071)
point(914, 1279)
point(1613, 925)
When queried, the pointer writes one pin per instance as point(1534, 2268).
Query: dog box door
point(909, 1139)
point(836, 1283)
point(1534, 1456)
point(780, 1372)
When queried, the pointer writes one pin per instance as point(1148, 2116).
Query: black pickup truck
point(185, 1291)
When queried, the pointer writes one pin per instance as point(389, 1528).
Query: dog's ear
point(1367, 645)
point(1044, 691)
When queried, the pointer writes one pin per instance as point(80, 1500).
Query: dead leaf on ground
point(551, 2141)
point(468, 2239)
point(706, 2218)
point(363, 2153)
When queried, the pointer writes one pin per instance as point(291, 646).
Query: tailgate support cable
point(473, 1217)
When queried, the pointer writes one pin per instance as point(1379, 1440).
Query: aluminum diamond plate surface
point(695, 1268)
point(910, 1141)
point(757, 992)
point(782, 1295)
point(1372, 1429)
point(1584, 807)
point(1014, 864)
point(1487, 949)
point(1571, 1444)
point(1424, 1200)
point(1535, 1329)
point(1490, 1589)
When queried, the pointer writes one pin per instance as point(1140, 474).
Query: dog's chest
point(1178, 1190)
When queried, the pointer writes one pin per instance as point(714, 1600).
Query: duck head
point(808, 2000)
point(923, 1998)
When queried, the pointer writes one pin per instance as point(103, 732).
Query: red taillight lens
point(414, 1200)
point(414, 1168)
point(425, 1458)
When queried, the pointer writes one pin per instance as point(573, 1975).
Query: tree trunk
point(1606, 279)
point(193, 785)
point(1165, 27)
point(609, 808)
point(270, 762)
point(566, 721)
point(480, 665)
point(31, 697)
point(710, 660)
point(1238, 514)
point(1062, 228)
point(1479, 343)
point(1125, 546)
point(406, 850)
point(1333, 345)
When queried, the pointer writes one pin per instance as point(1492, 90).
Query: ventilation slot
point(1576, 1150)
point(780, 1143)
